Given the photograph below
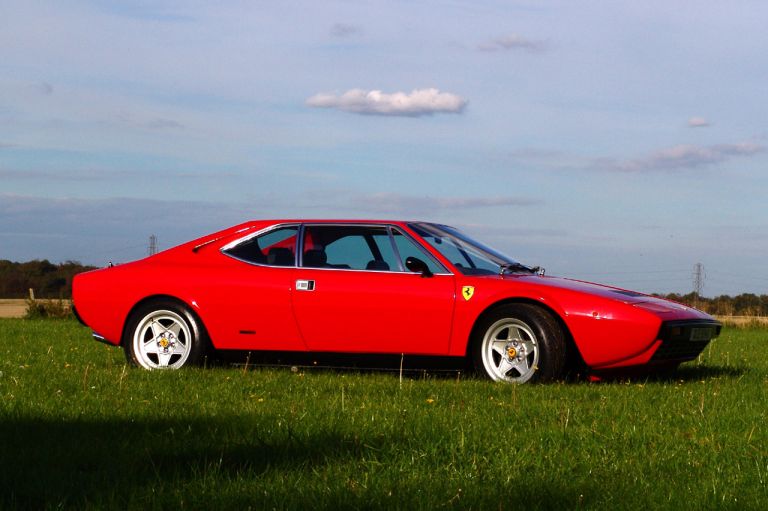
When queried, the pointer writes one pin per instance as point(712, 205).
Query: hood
point(611, 293)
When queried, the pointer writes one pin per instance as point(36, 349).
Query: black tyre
point(164, 334)
point(519, 343)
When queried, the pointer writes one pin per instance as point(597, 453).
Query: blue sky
point(620, 142)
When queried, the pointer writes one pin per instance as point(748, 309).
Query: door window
point(349, 247)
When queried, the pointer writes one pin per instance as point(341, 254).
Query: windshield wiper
point(519, 267)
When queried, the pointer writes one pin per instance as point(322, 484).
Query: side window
point(273, 248)
point(349, 252)
point(388, 254)
point(348, 247)
point(408, 248)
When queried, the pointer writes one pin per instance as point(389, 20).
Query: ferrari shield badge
point(467, 292)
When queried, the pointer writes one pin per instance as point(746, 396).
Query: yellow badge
point(467, 292)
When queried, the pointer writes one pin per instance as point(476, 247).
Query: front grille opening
point(681, 350)
point(676, 343)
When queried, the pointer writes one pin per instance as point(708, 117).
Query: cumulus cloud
point(417, 103)
point(514, 42)
point(697, 122)
point(683, 157)
point(345, 30)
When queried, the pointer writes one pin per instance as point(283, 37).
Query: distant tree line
point(745, 304)
point(47, 279)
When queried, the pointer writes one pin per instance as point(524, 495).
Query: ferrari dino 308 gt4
point(377, 287)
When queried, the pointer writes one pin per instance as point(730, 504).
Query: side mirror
point(416, 265)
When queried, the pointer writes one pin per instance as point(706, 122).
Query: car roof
point(331, 221)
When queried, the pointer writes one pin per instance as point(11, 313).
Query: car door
point(353, 294)
point(248, 304)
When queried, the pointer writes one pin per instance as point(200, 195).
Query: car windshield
point(469, 256)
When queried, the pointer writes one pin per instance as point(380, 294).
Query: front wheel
point(163, 335)
point(518, 343)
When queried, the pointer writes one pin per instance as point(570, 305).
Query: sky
point(619, 142)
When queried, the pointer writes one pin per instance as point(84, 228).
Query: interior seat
point(280, 256)
point(315, 258)
point(377, 265)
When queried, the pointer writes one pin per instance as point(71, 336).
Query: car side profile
point(378, 287)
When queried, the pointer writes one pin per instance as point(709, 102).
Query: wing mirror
point(416, 265)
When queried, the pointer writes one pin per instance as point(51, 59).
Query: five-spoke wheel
point(519, 343)
point(510, 351)
point(163, 335)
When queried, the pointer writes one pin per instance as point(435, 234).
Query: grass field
point(78, 429)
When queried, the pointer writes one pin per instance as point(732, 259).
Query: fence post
point(31, 294)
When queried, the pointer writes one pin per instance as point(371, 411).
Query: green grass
point(78, 429)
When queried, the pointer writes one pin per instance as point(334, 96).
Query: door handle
point(305, 285)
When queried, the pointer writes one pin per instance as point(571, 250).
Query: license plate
point(701, 334)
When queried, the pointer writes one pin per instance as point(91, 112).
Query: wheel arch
point(167, 298)
point(574, 360)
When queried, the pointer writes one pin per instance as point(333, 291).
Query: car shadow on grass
point(221, 463)
point(451, 368)
point(681, 374)
point(421, 366)
point(112, 463)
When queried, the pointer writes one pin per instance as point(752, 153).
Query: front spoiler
point(679, 340)
point(675, 343)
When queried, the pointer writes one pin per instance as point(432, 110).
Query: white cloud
point(419, 102)
point(514, 42)
point(697, 122)
point(682, 157)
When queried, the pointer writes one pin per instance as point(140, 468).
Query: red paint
point(363, 311)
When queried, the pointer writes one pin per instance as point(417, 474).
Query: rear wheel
point(163, 335)
point(518, 343)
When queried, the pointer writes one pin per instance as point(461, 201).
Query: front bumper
point(684, 340)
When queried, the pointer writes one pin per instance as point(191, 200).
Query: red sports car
point(366, 286)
